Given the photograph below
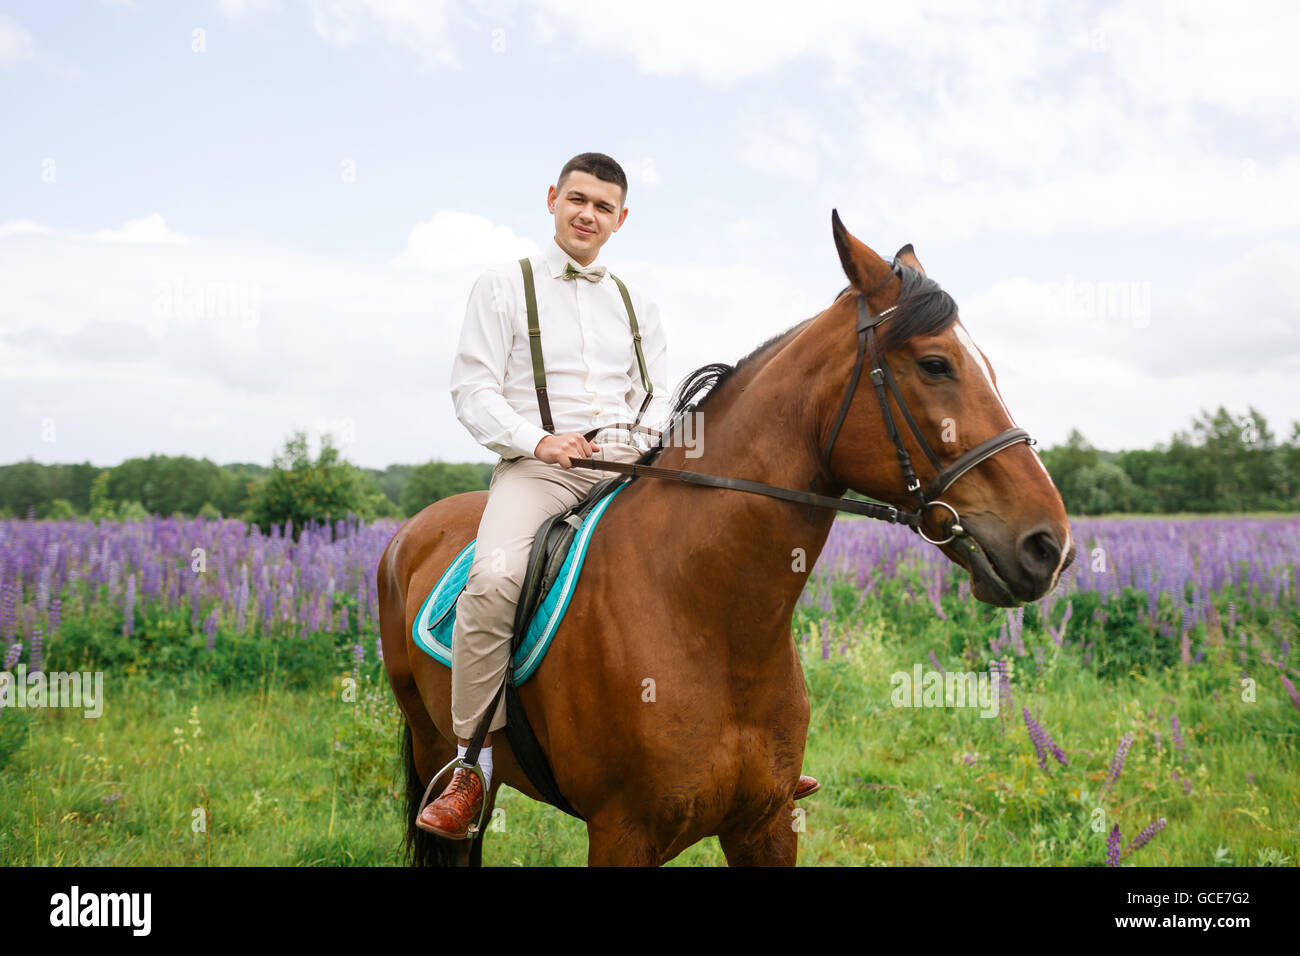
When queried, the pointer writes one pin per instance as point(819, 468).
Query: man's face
point(587, 212)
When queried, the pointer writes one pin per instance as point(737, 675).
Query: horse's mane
point(923, 309)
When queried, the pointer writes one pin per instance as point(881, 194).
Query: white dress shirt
point(592, 376)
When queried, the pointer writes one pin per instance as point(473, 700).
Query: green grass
point(301, 775)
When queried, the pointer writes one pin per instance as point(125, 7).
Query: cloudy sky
point(220, 221)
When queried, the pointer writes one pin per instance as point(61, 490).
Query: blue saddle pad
point(433, 625)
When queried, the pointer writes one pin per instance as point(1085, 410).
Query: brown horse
point(694, 589)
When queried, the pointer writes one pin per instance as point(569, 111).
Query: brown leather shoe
point(459, 806)
point(806, 787)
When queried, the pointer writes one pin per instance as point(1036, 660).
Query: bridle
point(880, 378)
point(945, 474)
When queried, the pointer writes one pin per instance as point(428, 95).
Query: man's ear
point(621, 216)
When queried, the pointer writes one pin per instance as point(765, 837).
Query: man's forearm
point(494, 424)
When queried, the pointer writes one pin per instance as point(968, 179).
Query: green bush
point(300, 490)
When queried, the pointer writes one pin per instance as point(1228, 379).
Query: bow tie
point(591, 274)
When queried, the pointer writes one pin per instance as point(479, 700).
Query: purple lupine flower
point(1037, 734)
point(934, 588)
point(1058, 633)
point(56, 613)
point(1015, 627)
point(1043, 742)
point(1117, 763)
point(1179, 742)
point(379, 648)
point(1058, 753)
point(999, 673)
point(128, 607)
point(934, 660)
point(1143, 838)
point(210, 628)
point(241, 602)
point(35, 658)
point(8, 617)
point(1112, 846)
point(11, 658)
point(1290, 690)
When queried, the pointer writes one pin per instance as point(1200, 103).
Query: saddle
point(550, 547)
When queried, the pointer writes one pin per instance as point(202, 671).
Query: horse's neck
point(761, 427)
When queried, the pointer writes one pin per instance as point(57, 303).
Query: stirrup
point(474, 828)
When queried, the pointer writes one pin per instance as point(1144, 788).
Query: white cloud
point(718, 42)
point(1021, 119)
point(236, 9)
point(787, 141)
point(150, 229)
point(20, 227)
point(1129, 360)
point(1198, 53)
point(419, 25)
point(16, 44)
point(452, 241)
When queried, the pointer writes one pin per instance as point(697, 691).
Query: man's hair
point(598, 165)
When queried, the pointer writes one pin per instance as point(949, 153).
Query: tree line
point(1224, 462)
point(295, 487)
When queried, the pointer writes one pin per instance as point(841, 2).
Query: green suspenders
point(535, 346)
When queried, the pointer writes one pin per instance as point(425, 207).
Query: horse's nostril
point(1040, 552)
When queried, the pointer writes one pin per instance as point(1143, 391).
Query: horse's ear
point(865, 270)
point(907, 256)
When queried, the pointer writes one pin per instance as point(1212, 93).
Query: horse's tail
point(422, 848)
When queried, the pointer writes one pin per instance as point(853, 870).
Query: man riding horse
point(504, 395)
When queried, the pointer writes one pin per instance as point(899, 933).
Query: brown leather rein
point(881, 377)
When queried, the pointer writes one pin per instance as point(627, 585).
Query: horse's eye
point(935, 366)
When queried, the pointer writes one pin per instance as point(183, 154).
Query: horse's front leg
point(613, 839)
point(772, 840)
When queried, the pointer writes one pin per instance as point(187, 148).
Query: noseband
point(880, 378)
point(945, 475)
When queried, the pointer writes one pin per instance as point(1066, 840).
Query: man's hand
point(562, 449)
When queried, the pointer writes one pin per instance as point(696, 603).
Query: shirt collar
point(557, 259)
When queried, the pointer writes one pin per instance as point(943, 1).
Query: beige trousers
point(522, 494)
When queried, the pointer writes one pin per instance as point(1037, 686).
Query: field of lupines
point(1146, 709)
